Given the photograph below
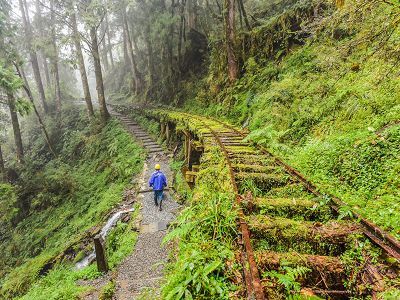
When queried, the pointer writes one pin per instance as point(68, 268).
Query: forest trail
point(141, 272)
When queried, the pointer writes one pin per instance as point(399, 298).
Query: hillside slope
point(320, 88)
point(47, 214)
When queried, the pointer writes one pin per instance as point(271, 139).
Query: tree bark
point(28, 92)
point(46, 69)
point(54, 58)
point(81, 64)
point(109, 46)
point(181, 31)
point(42, 52)
point(16, 128)
point(33, 56)
point(99, 75)
point(150, 61)
point(3, 176)
point(192, 14)
point(104, 50)
point(233, 68)
point(243, 13)
point(125, 43)
point(135, 73)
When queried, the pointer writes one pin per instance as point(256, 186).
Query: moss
point(98, 176)
point(301, 209)
point(107, 291)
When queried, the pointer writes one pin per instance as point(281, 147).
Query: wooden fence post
point(101, 260)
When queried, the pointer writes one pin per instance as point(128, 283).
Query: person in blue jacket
point(158, 181)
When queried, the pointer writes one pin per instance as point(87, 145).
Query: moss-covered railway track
point(288, 229)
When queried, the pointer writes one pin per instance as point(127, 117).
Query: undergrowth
point(330, 106)
point(203, 237)
point(65, 197)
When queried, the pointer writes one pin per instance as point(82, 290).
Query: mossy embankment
point(57, 203)
point(321, 90)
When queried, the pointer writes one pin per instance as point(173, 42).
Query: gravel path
point(142, 271)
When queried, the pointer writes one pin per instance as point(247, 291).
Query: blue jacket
point(158, 181)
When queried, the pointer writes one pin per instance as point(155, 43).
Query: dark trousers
point(158, 197)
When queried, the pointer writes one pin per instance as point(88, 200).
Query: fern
point(289, 277)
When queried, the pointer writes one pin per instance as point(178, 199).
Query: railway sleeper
point(299, 208)
point(325, 272)
point(252, 160)
point(263, 181)
point(282, 234)
point(241, 150)
point(255, 168)
point(294, 189)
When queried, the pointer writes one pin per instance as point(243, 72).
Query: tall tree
point(104, 50)
point(28, 92)
point(32, 54)
point(230, 40)
point(43, 37)
point(81, 62)
point(137, 78)
point(109, 44)
point(3, 175)
point(93, 16)
point(15, 125)
point(54, 57)
point(243, 14)
point(99, 75)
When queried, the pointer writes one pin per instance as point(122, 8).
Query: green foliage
point(287, 277)
point(203, 235)
point(59, 283)
point(107, 291)
point(359, 252)
point(61, 199)
point(8, 204)
point(329, 108)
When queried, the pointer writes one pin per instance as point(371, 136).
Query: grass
point(71, 195)
point(204, 237)
point(329, 108)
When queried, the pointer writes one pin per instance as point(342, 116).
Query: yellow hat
point(157, 167)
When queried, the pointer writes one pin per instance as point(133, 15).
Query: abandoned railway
point(284, 221)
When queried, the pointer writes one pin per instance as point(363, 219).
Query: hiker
point(158, 181)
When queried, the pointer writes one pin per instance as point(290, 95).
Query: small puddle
point(153, 227)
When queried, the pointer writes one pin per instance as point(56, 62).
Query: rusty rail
point(377, 235)
point(250, 269)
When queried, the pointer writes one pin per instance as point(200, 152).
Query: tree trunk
point(150, 61)
point(81, 64)
point(46, 69)
point(104, 51)
point(192, 14)
point(3, 175)
point(125, 44)
point(16, 129)
point(42, 52)
point(233, 68)
point(109, 46)
point(99, 75)
point(28, 92)
point(54, 57)
point(243, 13)
point(33, 56)
point(135, 73)
point(181, 31)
